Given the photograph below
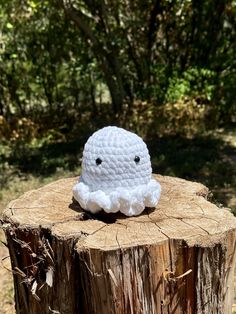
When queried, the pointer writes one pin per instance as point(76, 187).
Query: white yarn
point(116, 174)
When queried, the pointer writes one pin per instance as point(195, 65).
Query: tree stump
point(176, 258)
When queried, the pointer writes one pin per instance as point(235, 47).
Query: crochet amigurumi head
point(116, 174)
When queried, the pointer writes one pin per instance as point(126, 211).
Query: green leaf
point(9, 25)
point(33, 4)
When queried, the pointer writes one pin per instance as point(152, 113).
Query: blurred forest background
point(165, 69)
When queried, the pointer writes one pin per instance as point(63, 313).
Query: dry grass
point(6, 284)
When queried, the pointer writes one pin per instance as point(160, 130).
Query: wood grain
point(176, 258)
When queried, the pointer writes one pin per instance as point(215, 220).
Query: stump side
point(169, 277)
point(177, 257)
point(44, 271)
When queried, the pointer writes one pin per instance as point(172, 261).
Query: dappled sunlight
point(162, 69)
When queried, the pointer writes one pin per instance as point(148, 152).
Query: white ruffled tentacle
point(130, 202)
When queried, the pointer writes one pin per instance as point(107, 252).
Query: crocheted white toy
point(116, 174)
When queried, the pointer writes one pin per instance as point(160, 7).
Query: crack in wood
point(116, 264)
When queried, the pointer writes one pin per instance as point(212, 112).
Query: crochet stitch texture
point(116, 174)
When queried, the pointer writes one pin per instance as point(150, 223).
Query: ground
point(209, 158)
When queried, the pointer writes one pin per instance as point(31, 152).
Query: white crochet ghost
point(116, 174)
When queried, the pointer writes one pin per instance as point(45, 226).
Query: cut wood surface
point(176, 258)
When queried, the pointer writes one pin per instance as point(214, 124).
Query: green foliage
point(42, 60)
point(54, 55)
point(193, 82)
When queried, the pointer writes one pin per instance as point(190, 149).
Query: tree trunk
point(108, 60)
point(176, 258)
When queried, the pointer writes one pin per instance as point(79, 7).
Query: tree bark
point(176, 258)
point(108, 60)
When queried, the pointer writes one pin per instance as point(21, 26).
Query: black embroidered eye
point(137, 159)
point(98, 161)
